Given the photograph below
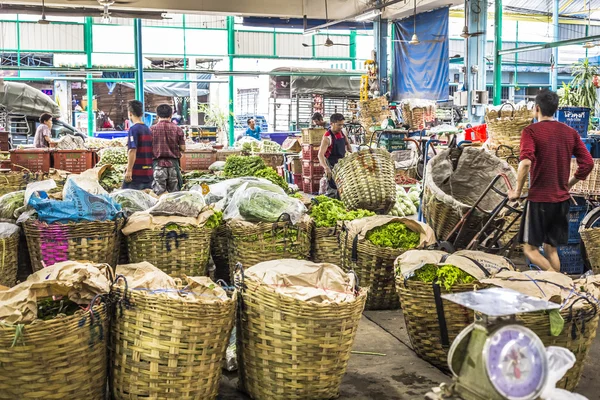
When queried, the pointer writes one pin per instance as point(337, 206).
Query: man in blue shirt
point(253, 130)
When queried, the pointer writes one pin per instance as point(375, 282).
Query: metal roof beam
point(549, 45)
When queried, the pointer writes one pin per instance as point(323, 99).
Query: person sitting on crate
point(139, 150)
point(253, 131)
point(168, 142)
point(334, 146)
point(546, 150)
point(41, 139)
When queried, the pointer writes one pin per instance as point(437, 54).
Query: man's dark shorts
point(545, 223)
point(137, 185)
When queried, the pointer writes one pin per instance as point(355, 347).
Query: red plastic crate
point(311, 185)
point(197, 160)
point(74, 161)
point(312, 169)
point(3, 141)
point(310, 152)
point(298, 180)
point(32, 160)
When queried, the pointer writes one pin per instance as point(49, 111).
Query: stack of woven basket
point(373, 112)
point(505, 126)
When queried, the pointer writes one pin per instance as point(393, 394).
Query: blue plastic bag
point(78, 205)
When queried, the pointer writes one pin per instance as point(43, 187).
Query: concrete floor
point(400, 374)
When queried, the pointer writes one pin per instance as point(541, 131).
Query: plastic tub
point(110, 134)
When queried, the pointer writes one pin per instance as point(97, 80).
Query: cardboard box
point(292, 145)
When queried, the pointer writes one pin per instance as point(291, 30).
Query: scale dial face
point(515, 361)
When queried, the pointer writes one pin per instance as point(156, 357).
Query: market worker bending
point(41, 139)
point(546, 150)
point(139, 150)
point(253, 131)
point(333, 148)
point(317, 120)
point(168, 142)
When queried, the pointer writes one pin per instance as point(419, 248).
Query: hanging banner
point(421, 71)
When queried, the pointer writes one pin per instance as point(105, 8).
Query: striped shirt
point(140, 138)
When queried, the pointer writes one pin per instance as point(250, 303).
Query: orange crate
point(311, 185)
point(33, 160)
point(197, 160)
point(312, 169)
point(74, 161)
point(310, 152)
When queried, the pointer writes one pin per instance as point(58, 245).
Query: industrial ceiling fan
point(465, 31)
point(43, 20)
point(415, 39)
point(328, 42)
point(105, 4)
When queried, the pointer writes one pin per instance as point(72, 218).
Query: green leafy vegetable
point(271, 175)
point(238, 166)
point(10, 202)
point(113, 156)
point(214, 220)
point(49, 308)
point(557, 323)
point(327, 212)
point(445, 275)
point(112, 178)
point(395, 235)
point(427, 273)
point(297, 195)
point(265, 206)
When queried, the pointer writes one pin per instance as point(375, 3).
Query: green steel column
point(88, 46)
point(497, 56)
point(353, 48)
point(18, 43)
point(516, 82)
point(231, 52)
point(139, 60)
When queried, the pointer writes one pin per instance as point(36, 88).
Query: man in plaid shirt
point(168, 142)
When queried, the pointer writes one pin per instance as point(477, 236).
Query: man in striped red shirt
point(546, 151)
point(139, 150)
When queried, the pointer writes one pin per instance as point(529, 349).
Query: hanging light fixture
point(415, 38)
point(43, 20)
point(465, 29)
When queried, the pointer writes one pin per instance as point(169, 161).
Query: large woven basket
point(9, 259)
point(250, 244)
point(454, 180)
point(165, 348)
point(291, 349)
point(504, 128)
point(62, 358)
point(177, 250)
point(326, 246)
point(97, 242)
point(591, 241)
point(219, 252)
point(272, 160)
point(591, 185)
point(14, 181)
point(365, 179)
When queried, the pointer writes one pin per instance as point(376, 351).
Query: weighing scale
point(496, 358)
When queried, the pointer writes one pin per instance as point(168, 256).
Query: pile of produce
point(197, 178)
point(269, 146)
point(214, 221)
point(10, 203)
point(405, 204)
point(240, 166)
point(112, 177)
point(258, 205)
point(183, 204)
point(113, 156)
point(95, 143)
point(445, 275)
point(252, 146)
point(133, 200)
point(271, 175)
point(50, 308)
point(70, 142)
point(394, 235)
point(326, 212)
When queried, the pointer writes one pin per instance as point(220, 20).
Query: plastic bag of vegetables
point(184, 204)
point(133, 200)
point(9, 203)
point(404, 206)
point(219, 191)
point(113, 156)
point(269, 146)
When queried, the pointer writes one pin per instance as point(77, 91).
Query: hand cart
point(498, 224)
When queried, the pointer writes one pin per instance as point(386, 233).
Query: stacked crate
point(312, 171)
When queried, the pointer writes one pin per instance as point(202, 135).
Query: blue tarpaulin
point(421, 70)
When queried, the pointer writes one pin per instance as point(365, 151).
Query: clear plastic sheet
point(11, 202)
point(7, 230)
point(184, 204)
point(560, 360)
point(133, 200)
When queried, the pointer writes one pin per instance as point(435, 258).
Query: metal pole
point(353, 48)
point(231, 52)
point(554, 70)
point(498, 57)
point(88, 45)
point(18, 41)
point(139, 60)
point(380, 29)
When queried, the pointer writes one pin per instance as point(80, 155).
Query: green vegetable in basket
point(238, 166)
point(112, 177)
point(263, 206)
point(297, 195)
point(270, 174)
point(395, 235)
point(48, 308)
point(427, 273)
point(445, 275)
point(327, 212)
point(113, 156)
point(11, 202)
point(214, 220)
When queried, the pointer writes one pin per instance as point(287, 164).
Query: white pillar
point(62, 96)
point(193, 93)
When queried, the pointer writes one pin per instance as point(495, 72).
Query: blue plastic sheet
point(421, 71)
point(77, 205)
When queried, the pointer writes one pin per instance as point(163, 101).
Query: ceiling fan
point(105, 4)
point(415, 39)
point(328, 42)
point(465, 31)
point(43, 20)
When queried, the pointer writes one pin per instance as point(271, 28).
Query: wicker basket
point(504, 129)
point(591, 241)
point(175, 249)
point(97, 242)
point(451, 188)
point(123, 252)
point(250, 244)
point(9, 259)
point(365, 179)
point(326, 246)
point(590, 186)
point(219, 252)
point(279, 361)
point(62, 358)
point(14, 181)
point(312, 136)
point(179, 357)
point(272, 160)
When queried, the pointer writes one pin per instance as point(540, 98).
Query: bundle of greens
point(214, 220)
point(113, 156)
point(49, 308)
point(252, 146)
point(112, 177)
point(327, 212)
point(394, 235)
point(238, 166)
point(133, 200)
point(183, 204)
point(11, 202)
point(271, 175)
point(445, 275)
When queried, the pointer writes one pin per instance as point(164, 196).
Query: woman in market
point(333, 148)
point(253, 130)
point(41, 139)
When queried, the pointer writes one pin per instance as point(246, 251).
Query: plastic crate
point(571, 259)
point(476, 133)
point(312, 136)
point(310, 185)
point(110, 134)
point(310, 152)
point(32, 160)
point(577, 118)
point(576, 215)
point(312, 169)
point(588, 144)
point(298, 180)
point(197, 160)
point(4, 146)
point(74, 161)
